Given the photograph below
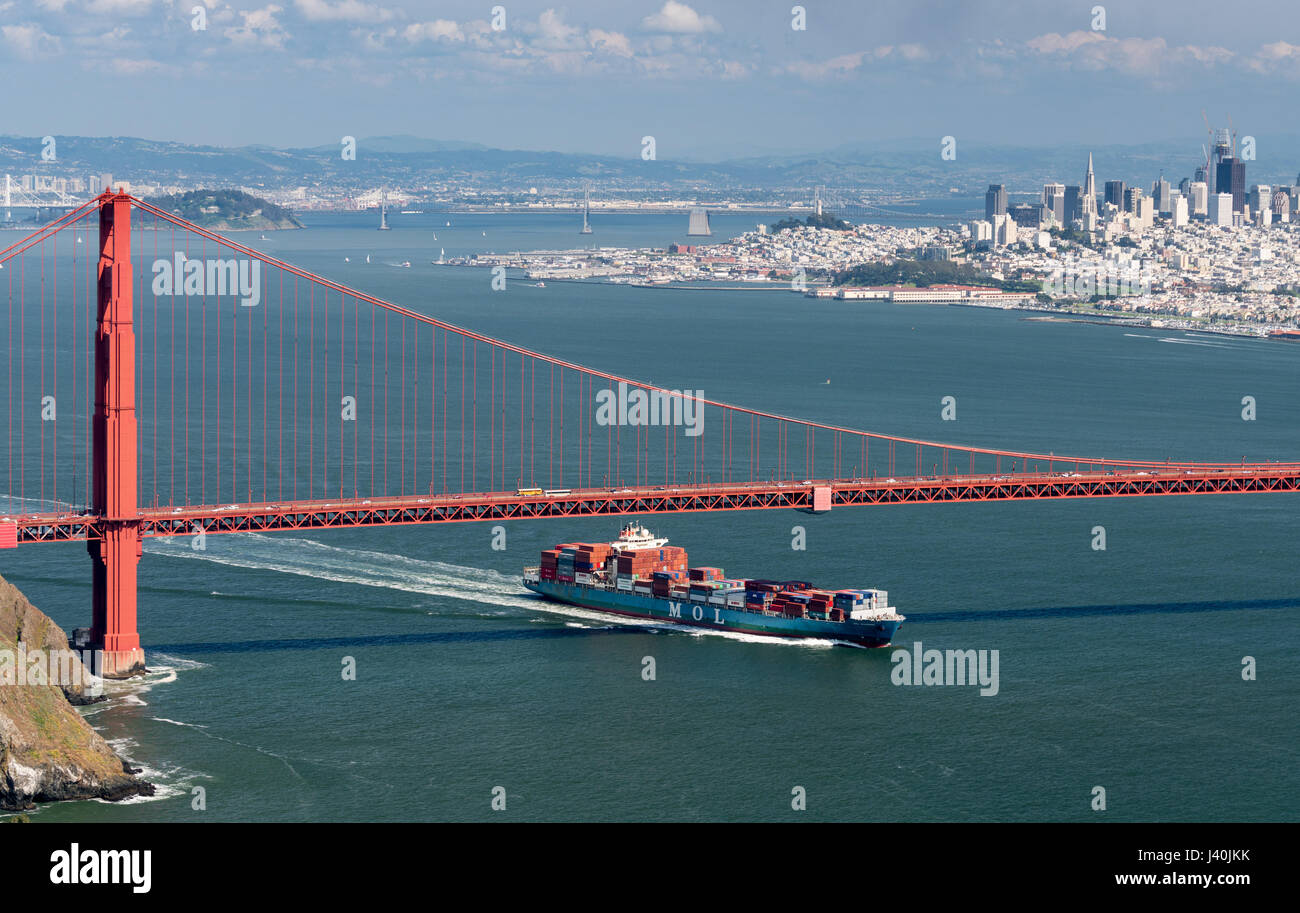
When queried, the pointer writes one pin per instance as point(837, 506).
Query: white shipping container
point(583, 578)
point(625, 583)
point(718, 600)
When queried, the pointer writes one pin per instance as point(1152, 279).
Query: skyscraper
point(1072, 207)
point(1160, 193)
point(1115, 193)
point(1261, 197)
point(1132, 197)
point(995, 202)
point(1220, 209)
point(1088, 205)
point(1230, 177)
point(1222, 150)
point(1054, 202)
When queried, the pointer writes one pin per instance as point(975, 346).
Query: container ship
point(641, 576)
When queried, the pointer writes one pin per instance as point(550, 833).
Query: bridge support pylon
point(116, 549)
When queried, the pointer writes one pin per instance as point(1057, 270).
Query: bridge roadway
point(664, 499)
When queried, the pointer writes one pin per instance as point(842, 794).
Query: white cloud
point(1137, 56)
point(845, 64)
point(342, 11)
point(259, 27)
point(555, 34)
point(610, 42)
point(1053, 43)
point(439, 29)
point(1278, 57)
point(681, 19)
point(30, 41)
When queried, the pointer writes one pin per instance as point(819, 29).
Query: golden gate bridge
point(163, 380)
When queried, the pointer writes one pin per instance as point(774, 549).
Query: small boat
point(367, 258)
point(540, 285)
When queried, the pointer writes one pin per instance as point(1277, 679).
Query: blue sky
point(706, 78)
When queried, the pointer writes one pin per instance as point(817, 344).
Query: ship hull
point(869, 633)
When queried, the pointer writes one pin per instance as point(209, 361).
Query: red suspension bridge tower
point(116, 551)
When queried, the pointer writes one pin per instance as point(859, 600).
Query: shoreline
point(1057, 315)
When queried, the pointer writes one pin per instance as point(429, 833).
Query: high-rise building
point(1073, 208)
point(1261, 197)
point(1198, 193)
point(1220, 209)
point(995, 202)
point(1230, 177)
point(1115, 194)
point(1132, 196)
point(1054, 201)
point(106, 181)
point(1281, 204)
point(1178, 213)
point(1222, 151)
point(1146, 212)
point(1004, 230)
point(1160, 195)
point(1088, 208)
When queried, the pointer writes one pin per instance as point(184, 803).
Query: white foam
point(308, 558)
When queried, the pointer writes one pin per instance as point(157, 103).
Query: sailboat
point(367, 258)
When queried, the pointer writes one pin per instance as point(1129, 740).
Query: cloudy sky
point(707, 78)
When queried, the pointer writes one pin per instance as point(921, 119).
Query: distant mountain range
point(408, 163)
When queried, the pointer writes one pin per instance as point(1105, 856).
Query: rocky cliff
point(47, 751)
